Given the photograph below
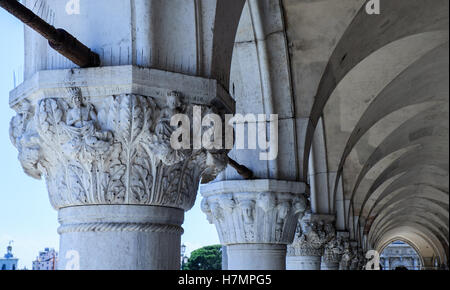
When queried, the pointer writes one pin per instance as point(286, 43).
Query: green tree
point(206, 258)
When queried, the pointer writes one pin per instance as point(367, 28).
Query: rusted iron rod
point(59, 39)
point(241, 169)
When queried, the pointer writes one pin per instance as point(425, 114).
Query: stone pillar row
point(101, 139)
point(264, 225)
point(318, 246)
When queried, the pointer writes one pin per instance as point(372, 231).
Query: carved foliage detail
point(310, 238)
point(119, 155)
point(254, 217)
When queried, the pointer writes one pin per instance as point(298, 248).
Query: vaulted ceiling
point(377, 85)
point(384, 98)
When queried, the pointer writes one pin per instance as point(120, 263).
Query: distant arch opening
point(399, 255)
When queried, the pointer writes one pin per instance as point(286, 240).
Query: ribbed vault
point(384, 101)
point(363, 102)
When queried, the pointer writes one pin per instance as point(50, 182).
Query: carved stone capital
point(313, 232)
point(349, 259)
point(254, 211)
point(97, 143)
point(333, 250)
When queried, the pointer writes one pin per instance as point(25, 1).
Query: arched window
point(14, 266)
point(3, 267)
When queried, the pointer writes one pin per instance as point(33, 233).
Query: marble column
point(332, 255)
point(255, 219)
point(347, 255)
point(312, 233)
point(356, 256)
point(101, 138)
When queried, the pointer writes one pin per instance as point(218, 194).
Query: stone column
point(355, 254)
point(224, 258)
point(332, 255)
point(347, 254)
point(312, 233)
point(362, 261)
point(101, 138)
point(255, 219)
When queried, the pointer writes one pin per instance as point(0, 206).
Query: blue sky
point(26, 216)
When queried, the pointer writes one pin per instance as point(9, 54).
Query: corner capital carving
point(312, 235)
point(110, 150)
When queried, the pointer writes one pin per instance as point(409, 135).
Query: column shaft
point(256, 257)
point(303, 263)
point(120, 237)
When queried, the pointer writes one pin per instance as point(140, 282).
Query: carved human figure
point(80, 115)
point(173, 106)
point(282, 212)
point(24, 136)
point(361, 259)
point(18, 123)
point(247, 211)
point(316, 235)
point(265, 201)
point(160, 143)
point(204, 206)
point(80, 125)
point(346, 257)
point(330, 232)
point(333, 250)
point(301, 204)
point(354, 262)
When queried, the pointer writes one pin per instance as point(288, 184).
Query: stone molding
point(120, 218)
point(113, 149)
point(118, 80)
point(254, 211)
point(120, 227)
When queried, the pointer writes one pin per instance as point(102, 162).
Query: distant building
point(8, 262)
point(46, 260)
point(400, 255)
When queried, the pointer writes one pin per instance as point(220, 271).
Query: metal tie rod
point(59, 39)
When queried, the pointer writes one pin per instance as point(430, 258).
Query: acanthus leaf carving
point(333, 250)
point(311, 237)
point(236, 216)
point(122, 155)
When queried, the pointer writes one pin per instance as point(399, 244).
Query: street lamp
point(183, 258)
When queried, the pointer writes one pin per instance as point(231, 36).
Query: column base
point(256, 257)
point(120, 237)
point(303, 263)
